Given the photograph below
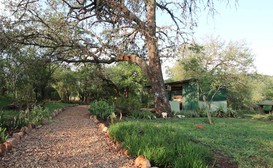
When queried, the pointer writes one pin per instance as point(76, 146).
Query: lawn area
point(248, 142)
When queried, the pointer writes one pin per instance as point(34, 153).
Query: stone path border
point(70, 140)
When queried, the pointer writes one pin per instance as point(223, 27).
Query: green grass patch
point(51, 106)
point(162, 144)
point(249, 142)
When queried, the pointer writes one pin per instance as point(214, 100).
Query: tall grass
point(246, 142)
point(162, 145)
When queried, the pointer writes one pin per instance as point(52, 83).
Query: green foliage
point(127, 105)
point(5, 101)
point(163, 144)
point(101, 109)
point(36, 114)
point(127, 76)
point(51, 106)
point(264, 117)
point(218, 65)
point(230, 113)
point(23, 118)
point(3, 135)
point(140, 114)
point(248, 142)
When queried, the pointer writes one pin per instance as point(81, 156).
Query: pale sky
point(250, 21)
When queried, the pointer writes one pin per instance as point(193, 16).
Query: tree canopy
point(105, 31)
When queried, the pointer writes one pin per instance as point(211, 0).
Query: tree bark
point(155, 73)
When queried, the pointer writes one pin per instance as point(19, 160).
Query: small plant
point(127, 105)
point(101, 109)
point(231, 113)
point(270, 117)
point(142, 115)
point(3, 135)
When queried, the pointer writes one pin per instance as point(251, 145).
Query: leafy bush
point(164, 146)
point(230, 113)
point(101, 109)
point(142, 115)
point(34, 115)
point(270, 117)
point(127, 105)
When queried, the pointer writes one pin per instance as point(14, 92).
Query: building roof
point(266, 103)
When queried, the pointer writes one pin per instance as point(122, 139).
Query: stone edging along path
point(16, 137)
point(71, 139)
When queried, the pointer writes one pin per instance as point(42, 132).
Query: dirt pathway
point(71, 140)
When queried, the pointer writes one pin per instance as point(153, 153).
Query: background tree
point(129, 79)
point(104, 31)
point(217, 65)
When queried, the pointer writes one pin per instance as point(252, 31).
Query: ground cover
point(248, 142)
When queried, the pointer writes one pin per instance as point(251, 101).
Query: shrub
point(142, 115)
point(101, 109)
point(127, 105)
point(23, 118)
point(270, 117)
point(36, 114)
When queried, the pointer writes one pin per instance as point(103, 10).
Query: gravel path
point(70, 140)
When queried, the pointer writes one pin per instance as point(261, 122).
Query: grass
point(51, 106)
point(248, 142)
point(162, 144)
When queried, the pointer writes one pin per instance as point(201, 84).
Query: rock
point(101, 126)
point(21, 134)
point(105, 129)
point(142, 162)
point(164, 115)
point(18, 135)
point(29, 126)
point(180, 116)
point(199, 126)
point(44, 121)
point(8, 145)
point(12, 141)
point(23, 129)
point(125, 152)
point(2, 150)
point(26, 130)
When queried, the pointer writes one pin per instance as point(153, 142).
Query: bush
point(23, 118)
point(230, 113)
point(127, 105)
point(142, 115)
point(101, 109)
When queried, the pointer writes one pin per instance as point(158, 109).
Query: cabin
point(266, 106)
point(185, 96)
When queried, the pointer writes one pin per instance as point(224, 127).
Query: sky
point(247, 20)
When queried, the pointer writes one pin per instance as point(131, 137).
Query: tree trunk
point(207, 110)
point(155, 72)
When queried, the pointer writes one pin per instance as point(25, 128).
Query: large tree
point(217, 65)
point(106, 31)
